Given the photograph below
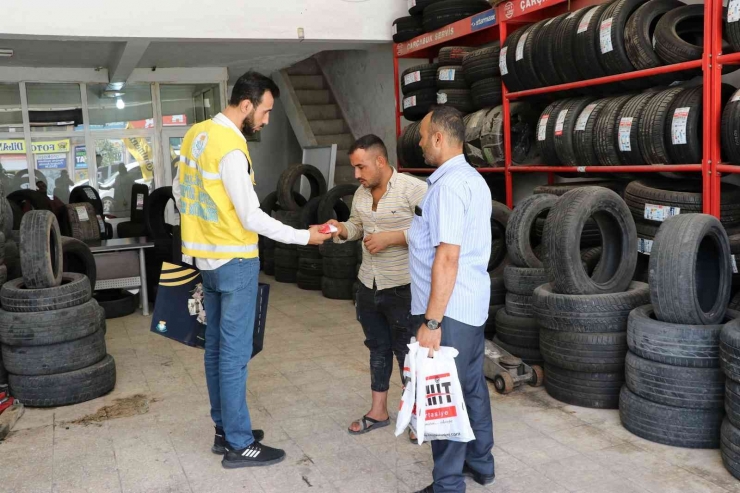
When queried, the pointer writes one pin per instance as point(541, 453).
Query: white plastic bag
point(408, 398)
point(440, 407)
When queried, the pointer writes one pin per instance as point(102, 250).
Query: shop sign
point(19, 147)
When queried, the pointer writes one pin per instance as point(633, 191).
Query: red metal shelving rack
point(515, 13)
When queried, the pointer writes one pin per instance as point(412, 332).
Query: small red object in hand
point(326, 229)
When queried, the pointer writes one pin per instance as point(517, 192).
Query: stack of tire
point(452, 85)
point(407, 149)
point(291, 213)
point(481, 71)
point(675, 388)
point(583, 316)
point(608, 39)
point(497, 263)
point(729, 354)
point(516, 328)
point(310, 262)
point(652, 201)
point(429, 15)
point(419, 88)
point(52, 332)
point(339, 260)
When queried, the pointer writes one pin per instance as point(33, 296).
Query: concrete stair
point(314, 115)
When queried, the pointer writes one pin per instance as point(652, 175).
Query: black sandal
point(374, 423)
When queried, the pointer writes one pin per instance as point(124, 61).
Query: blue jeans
point(230, 304)
point(449, 457)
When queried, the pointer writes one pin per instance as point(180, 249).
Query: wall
point(362, 82)
point(360, 20)
point(277, 149)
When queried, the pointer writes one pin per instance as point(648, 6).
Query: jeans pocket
point(403, 292)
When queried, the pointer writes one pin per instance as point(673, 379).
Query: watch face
point(432, 324)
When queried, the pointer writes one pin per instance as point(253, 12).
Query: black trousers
point(384, 316)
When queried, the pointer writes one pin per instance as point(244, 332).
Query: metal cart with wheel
point(507, 371)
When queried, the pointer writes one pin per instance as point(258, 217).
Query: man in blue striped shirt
point(449, 248)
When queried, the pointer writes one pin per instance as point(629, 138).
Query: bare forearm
point(396, 238)
point(444, 275)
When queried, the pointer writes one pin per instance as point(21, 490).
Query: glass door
point(171, 141)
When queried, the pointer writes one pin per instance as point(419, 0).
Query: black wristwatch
point(431, 324)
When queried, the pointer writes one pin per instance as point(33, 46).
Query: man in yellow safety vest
point(220, 222)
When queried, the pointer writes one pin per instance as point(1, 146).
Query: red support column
point(508, 183)
point(713, 103)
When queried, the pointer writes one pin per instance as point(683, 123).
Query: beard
point(248, 128)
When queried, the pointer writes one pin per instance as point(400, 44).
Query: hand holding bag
point(408, 397)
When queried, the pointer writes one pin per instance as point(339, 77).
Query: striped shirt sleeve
point(416, 194)
point(449, 224)
point(354, 223)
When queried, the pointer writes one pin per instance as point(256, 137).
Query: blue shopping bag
point(177, 307)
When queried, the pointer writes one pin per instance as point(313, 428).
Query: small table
point(121, 244)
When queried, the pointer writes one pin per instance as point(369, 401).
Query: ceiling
point(237, 56)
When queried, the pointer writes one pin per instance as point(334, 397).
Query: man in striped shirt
point(382, 210)
point(449, 248)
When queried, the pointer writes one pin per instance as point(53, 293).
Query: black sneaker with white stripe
point(220, 445)
point(253, 456)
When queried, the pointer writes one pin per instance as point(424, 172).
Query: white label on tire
point(139, 201)
point(581, 169)
point(678, 125)
point(502, 61)
point(660, 212)
point(734, 264)
point(82, 214)
point(411, 78)
point(736, 96)
point(583, 117)
point(441, 97)
point(733, 11)
point(447, 74)
point(605, 35)
point(625, 129)
point(520, 47)
point(409, 102)
point(644, 245)
point(583, 25)
point(542, 128)
point(101, 223)
point(90, 194)
point(560, 122)
point(394, 29)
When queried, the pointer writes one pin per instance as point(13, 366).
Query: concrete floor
point(304, 389)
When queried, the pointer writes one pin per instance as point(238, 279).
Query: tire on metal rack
point(417, 104)
point(596, 313)
point(481, 63)
point(67, 388)
point(567, 63)
point(454, 55)
point(675, 426)
point(546, 132)
point(500, 214)
point(544, 52)
point(486, 93)
point(732, 32)
point(523, 133)
point(628, 130)
point(440, 14)
point(690, 346)
point(683, 194)
point(291, 177)
point(41, 250)
point(472, 147)
point(596, 390)
point(561, 238)
point(524, 61)
point(416, 7)
point(451, 77)
point(606, 131)
point(418, 78)
point(406, 28)
point(639, 33)
point(730, 127)
point(565, 126)
point(408, 151)
point(612, 51)
point(691, 286)
point(460, 99)
point(586, 49)
point(652, 125)
point(584, 133)
point(507, 59)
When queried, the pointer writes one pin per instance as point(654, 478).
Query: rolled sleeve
point(449, 224)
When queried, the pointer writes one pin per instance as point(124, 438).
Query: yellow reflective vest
point(210, 226)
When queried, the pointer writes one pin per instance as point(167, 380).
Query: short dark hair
point(449, 121)
point(252, 86)
point(369, 141)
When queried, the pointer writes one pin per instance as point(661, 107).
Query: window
point(11, 115)
point(187, 104)
point(132, 108)
point(54, 107)
point(13, 165)
point(122, 163)
point(56, 165)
